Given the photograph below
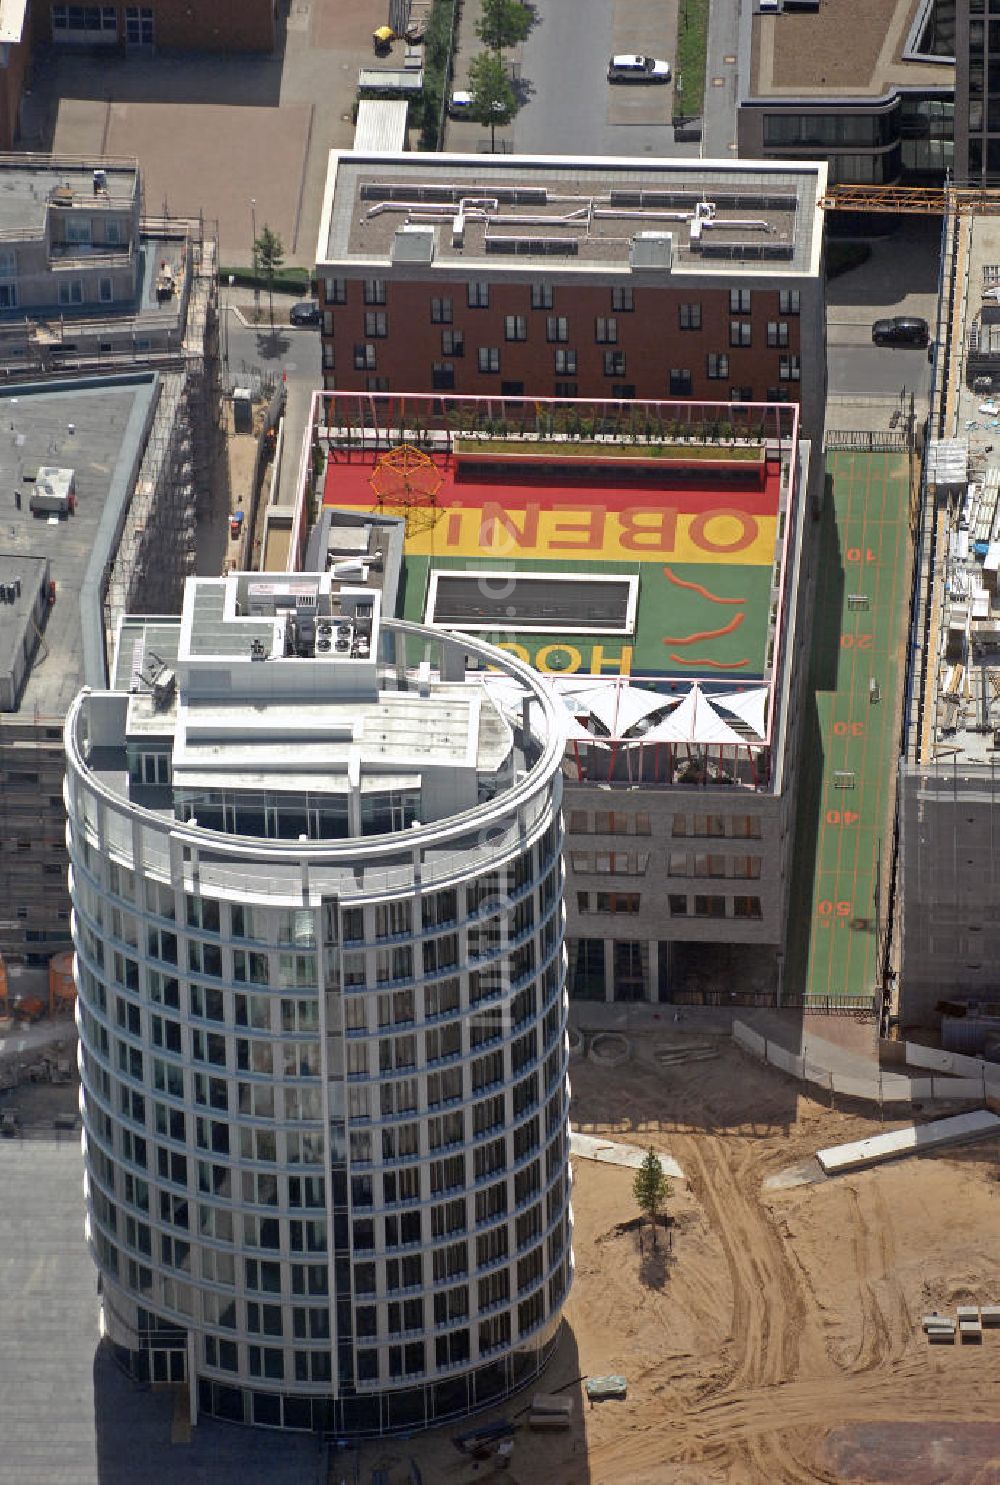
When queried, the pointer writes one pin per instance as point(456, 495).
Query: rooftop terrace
point(859, 49)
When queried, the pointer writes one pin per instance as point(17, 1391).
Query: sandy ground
point(778, 1338)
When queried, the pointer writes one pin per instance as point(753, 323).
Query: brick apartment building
point(539, 276)
point(208, 25)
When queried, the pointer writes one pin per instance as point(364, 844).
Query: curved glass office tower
point(318, 921)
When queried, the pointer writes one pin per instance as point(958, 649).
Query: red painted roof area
point(755, 489)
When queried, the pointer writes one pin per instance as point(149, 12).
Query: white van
point(638, 70)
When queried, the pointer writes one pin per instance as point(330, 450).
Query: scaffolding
point(174, 482)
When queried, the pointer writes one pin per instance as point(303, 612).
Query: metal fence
point(868, 441)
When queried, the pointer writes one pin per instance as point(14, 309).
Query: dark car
point(306, 313)
point(901, 330)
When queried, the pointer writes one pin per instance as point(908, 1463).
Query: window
point(138, 25)
point(336, 290)
point(452, 343)
point(710, 825)
point(776, 394)
point(680, 383)
point(8, 296)
point(606, 331)
point(739, 301)
point(739, 332)
point(489, 358)
point(689, 316)
point(541, 296)
point(556, 328)
point(84, 18)
point(709, 907)
point(746, 907)
point(745, 827)
point(623, 391)
point(105, 290)
point(618, 902)
point(614, 363)
point(376, 324)
point(364, 358)
point(478, 296)
point(441, 311)
point(741, 394)
point(515, 327)
point(376, 384)
point(565, 363)
point(788, 301)
point(621, 299)
point(777, 332)
point(71, 291)
point(374, 290)
point(789, 369)
point(717, 366)
point(443, 376)
point(566, 389)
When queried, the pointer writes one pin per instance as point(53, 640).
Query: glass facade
point(326, 1134)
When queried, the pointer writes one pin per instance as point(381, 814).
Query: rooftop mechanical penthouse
point(318, 922)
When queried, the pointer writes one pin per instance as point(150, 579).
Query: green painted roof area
point(704, 619)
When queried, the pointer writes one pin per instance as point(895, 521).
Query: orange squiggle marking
point(697, 588)
point(716, 664)
point(670, 639)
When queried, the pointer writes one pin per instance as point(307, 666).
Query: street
point(867, 370)
point(569, 107)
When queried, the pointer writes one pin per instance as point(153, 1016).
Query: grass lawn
point(689, 63)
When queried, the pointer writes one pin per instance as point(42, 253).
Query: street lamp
point(253, 239)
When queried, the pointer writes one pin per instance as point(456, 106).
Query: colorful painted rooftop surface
point(658, 561)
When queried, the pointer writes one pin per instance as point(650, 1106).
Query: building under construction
point(948, 884)
point(106, 461)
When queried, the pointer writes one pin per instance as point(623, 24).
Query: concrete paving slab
point(229, 146)
point(640, 105)
point(612, 1152)
point(68, 1415)
point(213, 131)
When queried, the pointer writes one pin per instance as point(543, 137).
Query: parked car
point(637, 69)
point(306, 313)
point(901, 330)
point(460, 105)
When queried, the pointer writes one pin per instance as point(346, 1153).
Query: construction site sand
point(778, 1340)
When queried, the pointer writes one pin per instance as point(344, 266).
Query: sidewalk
point(462, 135)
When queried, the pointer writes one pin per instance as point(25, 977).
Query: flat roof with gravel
point(514, 211)
point(96, 428)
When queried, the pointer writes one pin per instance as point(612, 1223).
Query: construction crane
point(913, 200)
point(406, 482)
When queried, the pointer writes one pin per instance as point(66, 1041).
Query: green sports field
point(850, 742)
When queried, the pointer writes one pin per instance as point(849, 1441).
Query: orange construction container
point(62, 987)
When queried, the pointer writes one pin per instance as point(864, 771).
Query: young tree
point(493, 98)
point(651, 1188)
point(503, 23)
point(269, 256)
